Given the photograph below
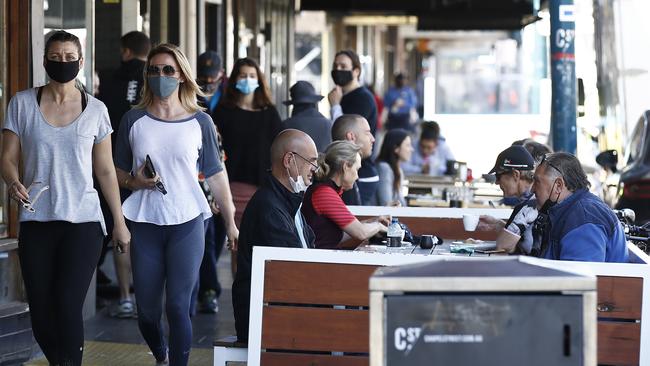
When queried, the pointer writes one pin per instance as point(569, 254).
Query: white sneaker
point(125, 309)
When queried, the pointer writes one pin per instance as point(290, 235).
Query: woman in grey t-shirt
point(62, 136)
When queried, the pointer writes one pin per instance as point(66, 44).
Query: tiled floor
point(108, 337)
point(113, 354)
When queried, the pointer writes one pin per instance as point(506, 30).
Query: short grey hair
point(568, 167)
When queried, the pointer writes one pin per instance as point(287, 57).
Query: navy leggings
point(58, 259)
point(166, 257)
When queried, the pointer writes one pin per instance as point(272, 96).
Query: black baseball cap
point(208, 64)
point(513, 158)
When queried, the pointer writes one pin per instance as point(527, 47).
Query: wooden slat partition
point(316, 283)
point(284, 359)
point(619, 343)
point(620, 297)
point(304, 328)
point(450, 228)
point(315, 329)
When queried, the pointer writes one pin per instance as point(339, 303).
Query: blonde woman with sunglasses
point(163, 144)
point(62, 136)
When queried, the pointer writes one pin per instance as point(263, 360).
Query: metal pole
point(563, 75)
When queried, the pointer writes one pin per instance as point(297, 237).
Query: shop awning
point(440, 14)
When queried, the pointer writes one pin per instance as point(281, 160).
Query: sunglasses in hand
point(29, 205)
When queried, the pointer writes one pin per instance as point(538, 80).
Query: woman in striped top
point(324, 210)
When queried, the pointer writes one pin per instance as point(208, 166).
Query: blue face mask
point(162, 86)
point(247, 86)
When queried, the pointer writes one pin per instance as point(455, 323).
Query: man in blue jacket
point(576, 224)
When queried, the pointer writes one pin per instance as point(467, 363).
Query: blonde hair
point(336, 155)
point(187, 90)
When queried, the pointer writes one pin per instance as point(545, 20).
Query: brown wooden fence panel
point(316, 283)
point(315, 329)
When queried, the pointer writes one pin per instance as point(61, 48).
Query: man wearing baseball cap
point(514, 170)
point(305, 115)
point(209, 76)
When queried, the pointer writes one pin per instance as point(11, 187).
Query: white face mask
point(298, 185)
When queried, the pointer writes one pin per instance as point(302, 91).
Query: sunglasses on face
point(155, 70)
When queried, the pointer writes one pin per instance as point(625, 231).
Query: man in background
point(120, 90)
point(210, 77)
point(305, 115)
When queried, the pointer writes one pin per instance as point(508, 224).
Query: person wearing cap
point(120, 90)
point(514, 174)
point(210, 77)
point(514, 169)
point(305, 115)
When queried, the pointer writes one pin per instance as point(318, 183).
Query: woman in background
point(248, 122)
point(395, 149)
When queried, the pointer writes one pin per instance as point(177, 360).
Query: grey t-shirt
point(60, 157)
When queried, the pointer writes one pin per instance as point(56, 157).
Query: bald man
point(272, 217)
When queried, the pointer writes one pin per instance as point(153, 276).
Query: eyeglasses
point(314, 167)
point(550, 164)
point(167, 70)
point(28, 205)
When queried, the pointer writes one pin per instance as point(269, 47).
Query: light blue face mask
point(162, 86)
point(247, 86)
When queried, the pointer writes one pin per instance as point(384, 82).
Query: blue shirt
point(437, 161)
point(583, 228)
point(405, 93)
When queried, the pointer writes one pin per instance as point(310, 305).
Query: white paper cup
point(470, 222)
point(507, 240)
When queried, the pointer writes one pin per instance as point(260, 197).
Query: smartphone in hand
point(149, 170)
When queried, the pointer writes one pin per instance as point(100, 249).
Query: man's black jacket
point(268, 220)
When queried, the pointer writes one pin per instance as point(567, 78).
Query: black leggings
point(58, 259)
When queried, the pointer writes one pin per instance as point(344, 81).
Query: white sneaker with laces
point(125, 309)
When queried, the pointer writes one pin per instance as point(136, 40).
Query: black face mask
point(342, 77)
point(62, 72)
point(548, 203)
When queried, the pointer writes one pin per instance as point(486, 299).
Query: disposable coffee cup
point(507, 240)
point(394, 241)
point(470, 222)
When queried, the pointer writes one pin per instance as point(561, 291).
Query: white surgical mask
point(298, 185)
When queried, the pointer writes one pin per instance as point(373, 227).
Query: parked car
point(632, 183)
